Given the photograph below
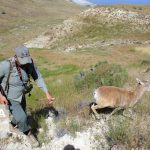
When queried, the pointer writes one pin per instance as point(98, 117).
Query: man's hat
point(23, 55)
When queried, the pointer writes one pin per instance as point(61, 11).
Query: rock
point(4, 122)
point(71, 49)
point(39, 42)
point(119, 147)
point(41, 130)
point(3, 12)
point(61, 132)
point(137, 22)
point(89, 138)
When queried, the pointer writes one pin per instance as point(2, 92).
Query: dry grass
point(61, 85)
point(132, 134)
point(136, 8)
point(143, 49)
point(121, 55)
point(27, 19)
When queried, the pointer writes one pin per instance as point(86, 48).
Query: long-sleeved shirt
point(16, 86)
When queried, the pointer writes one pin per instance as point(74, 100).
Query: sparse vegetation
point(60, 68)
point(72, 125)
point(145, 62)
point(103, 74)
point(132, 50)
point(143, 107)
point(31, 19)
point(119, 130)
point(93, 29)
point(133, 134)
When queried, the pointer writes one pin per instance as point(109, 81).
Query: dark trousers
point(18, 111)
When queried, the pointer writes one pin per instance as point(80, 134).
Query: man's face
point(22, 65)
point(25, 66)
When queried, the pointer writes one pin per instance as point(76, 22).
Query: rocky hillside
point(57, 138)
point(95, 26)
point(114, 39)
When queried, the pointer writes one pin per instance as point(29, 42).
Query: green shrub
point(103, 74)
point(140, 8)
point(145, 62)
point(142, 108)
point(119, 129)
point(132, 50)
point(133, 134)
point(147, 145)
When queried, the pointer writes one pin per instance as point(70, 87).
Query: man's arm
point(3, 68)
point(36, 75)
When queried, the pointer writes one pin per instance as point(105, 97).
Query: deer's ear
point(139, 81)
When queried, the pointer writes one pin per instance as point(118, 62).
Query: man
point(14, 80)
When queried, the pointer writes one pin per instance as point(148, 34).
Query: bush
point(145, 62)
point(102, 74)
point(133, 134)
point(118, 133)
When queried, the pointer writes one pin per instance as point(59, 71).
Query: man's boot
point(14, 130)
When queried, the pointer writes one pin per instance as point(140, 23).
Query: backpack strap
point(1, 90)
point(7, 82)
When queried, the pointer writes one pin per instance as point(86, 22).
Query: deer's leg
point(128, 113)
point(115, 110)
point(94, 107)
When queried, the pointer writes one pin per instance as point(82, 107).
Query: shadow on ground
point(35, 116)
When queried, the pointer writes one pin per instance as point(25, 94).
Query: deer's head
point(143, 84)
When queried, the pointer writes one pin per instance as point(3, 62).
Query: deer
point(118, 98)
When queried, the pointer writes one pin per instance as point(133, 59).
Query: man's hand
point(3, 100)
point(49, 98)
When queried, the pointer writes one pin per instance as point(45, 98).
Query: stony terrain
point(114, 14)
point(125, 40)
point(95, 136)
point(57, 32)
point(111, 16)
point(86, 139)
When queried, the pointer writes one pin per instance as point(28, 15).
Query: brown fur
point(110, 96)
point(114, 96)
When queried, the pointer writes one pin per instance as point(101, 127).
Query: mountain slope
point(83, 2)
point(22, 20)
point(97, 25)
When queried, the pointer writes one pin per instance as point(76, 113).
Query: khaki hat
point(23, 55)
